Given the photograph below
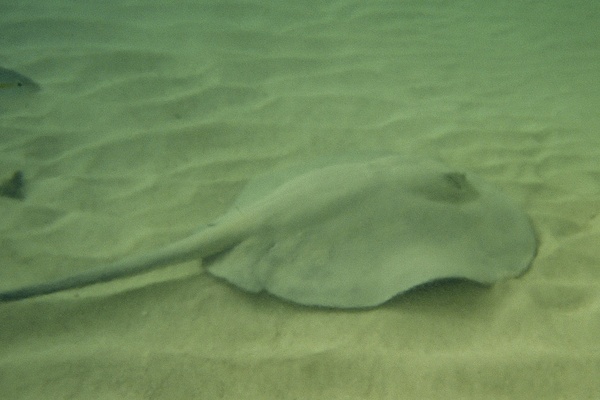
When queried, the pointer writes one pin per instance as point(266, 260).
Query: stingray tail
point(201, 244)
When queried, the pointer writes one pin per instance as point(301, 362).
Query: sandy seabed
point(153, 115)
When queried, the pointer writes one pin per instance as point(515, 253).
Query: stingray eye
point(459, 188)
point(450, 187)
point(457, 180)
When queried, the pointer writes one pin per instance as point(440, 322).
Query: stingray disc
point(356, 233)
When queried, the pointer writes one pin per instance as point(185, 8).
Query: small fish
point(10, 79)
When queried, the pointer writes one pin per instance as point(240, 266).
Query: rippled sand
point(152, 116)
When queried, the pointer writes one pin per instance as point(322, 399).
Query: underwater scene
point(329, 199)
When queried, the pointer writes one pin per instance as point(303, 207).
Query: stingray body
point(348, 234)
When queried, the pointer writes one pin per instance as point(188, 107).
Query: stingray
point(13, 81)
point(14, 187)
point(16, 90)
point(347, 234)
